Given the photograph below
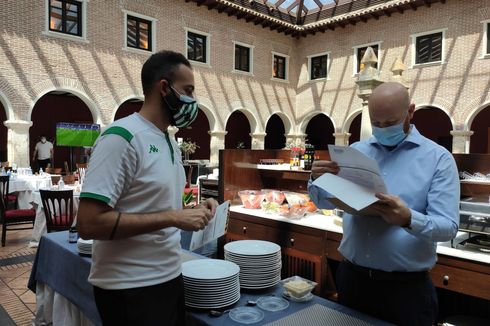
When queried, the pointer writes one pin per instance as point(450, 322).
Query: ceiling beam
point(299, 12)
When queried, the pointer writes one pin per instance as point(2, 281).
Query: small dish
point(246, 315)
point(306, 298)
point(270, 303)
point(297, 286)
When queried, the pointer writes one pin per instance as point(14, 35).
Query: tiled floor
point(15, 297)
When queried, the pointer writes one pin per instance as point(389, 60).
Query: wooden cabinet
point(303, 248)
point(208, 188)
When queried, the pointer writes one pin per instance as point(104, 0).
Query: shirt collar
point(413, 137)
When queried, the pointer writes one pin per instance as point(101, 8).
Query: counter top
point(327, 223)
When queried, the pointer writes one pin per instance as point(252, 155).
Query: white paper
point(358, 180)
point(215, 229)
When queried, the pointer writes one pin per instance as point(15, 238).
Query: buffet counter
point(316, 237)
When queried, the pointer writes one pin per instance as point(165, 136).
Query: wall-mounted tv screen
point(76, 134)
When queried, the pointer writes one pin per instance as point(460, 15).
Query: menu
point(357, 182)
point(215, 229)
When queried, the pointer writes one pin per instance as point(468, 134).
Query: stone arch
point(350, 118)
point(433, 105)
point(124, 100)
point(70, 87)
point(252, 119)
point(209, 112)
point(304, 122)
point(9, 112)
point(288, 125)
point(472, 114)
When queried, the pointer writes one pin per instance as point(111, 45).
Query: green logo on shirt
point(153, 149)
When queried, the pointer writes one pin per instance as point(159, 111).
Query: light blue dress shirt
point(424, 175)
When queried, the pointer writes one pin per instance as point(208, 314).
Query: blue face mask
point(389, 136)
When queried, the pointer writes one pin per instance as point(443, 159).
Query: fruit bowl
point(274, 196)
point(295, 198)
point(251, 198)
point(294, 212)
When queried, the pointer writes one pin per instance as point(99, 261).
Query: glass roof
point(292, 6)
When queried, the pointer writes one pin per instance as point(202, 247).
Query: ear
point(163, 87)
point(411, 110)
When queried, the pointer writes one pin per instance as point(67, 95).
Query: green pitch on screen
point(72, 137)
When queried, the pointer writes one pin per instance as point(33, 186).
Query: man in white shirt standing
point(43, 153)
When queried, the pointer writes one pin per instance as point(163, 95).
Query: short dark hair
point(161, 65)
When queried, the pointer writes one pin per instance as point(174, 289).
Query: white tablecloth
point(24, 185)
point(40, 227)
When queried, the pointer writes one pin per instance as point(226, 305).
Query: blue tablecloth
point(59, 265)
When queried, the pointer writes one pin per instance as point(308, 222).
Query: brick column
point(18, 142)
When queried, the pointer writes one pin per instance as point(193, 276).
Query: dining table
point(65, 297)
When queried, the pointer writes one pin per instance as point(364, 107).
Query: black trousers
point(156, 305)
point(42, 164)
point(400, 298)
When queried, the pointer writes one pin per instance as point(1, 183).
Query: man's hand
point(211, 204)
point(320, 167)
point(194, 219)
point(393, 210)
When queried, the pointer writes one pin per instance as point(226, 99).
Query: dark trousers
point(42, 164)
point(161, 304)
point(399, 298)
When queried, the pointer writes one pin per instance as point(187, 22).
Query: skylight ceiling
point(293, 6)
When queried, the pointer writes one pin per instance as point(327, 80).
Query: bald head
point(389, 104)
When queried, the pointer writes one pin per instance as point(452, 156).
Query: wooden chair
point(82, 166)
point(10, 200)
point(14, 217)
point(58, 209)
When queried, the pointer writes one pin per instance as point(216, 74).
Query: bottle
point(72, 234)
point(41, 172)
point(61, 184)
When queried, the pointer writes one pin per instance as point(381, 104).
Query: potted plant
point(188, 147)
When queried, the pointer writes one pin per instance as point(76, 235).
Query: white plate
point(209, 269)
point(252, 247)
point(211, 305)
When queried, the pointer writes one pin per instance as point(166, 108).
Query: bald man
point(387, 258)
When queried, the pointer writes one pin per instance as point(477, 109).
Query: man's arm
point(34, 155)
point(96, 220)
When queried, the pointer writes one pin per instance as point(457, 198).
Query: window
point(428, 48)
point(487, 33)
point(318, 66)
point(197, 47)
point(139, 33)
point(279, 67)
point(242, 58)
point(359, 53)
point(65, 16)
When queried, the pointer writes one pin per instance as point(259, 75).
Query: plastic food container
point(296, 198)
point(297, 286)
point(251, 198)
point(274, 196)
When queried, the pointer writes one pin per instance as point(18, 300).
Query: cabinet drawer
point(283, 238)
point(461, 280)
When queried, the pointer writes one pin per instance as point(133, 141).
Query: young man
point(131, 202)
point(387, 258)
point(43, 153)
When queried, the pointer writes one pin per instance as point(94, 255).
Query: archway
point(319, 131)
point(275, 130)
point(355, 129)
point(480, 140)
point(434, 124)
point(50, 109)
point(238, 128)
point(3, 133)
point(198, 133)
point(128, 108)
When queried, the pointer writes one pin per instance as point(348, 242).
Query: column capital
point(20, 125)
point(341, 134)
point(217, 133)
point(258, 134)
point(462, 133)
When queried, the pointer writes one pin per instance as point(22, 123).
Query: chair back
point(82, 165)
point(53, 170)
point(4, 186)
point(58, 209)
point(2, 204)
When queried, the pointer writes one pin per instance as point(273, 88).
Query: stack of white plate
point(210, 283)
point(85, 246)
point(259, 261)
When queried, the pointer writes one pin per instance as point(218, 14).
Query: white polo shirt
point(136, 168)
point(44, 150)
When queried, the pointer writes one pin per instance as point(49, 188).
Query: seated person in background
point(43, 153)
point(387, 258)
